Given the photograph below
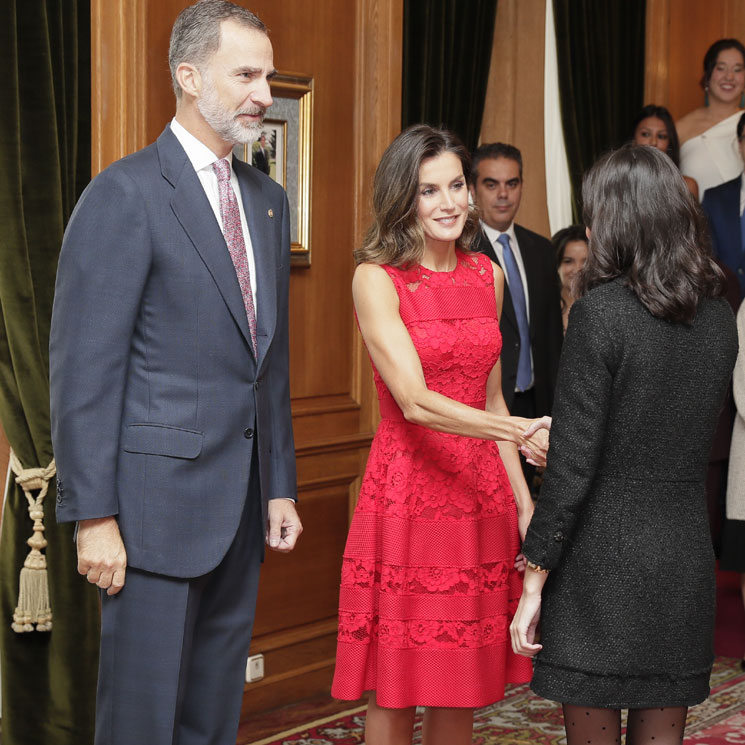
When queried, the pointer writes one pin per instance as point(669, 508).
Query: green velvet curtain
point(446, 57)
point(600, 51)
point(48, 678)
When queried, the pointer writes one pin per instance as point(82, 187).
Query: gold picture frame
point(289, 141)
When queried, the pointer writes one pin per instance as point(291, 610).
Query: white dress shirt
point(202, 158)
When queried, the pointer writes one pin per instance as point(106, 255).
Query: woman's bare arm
point(395, 357)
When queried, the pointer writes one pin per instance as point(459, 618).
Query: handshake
point(532, 440)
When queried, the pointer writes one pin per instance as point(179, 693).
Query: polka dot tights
point(591, 726)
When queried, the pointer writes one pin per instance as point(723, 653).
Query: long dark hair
point(564, 236)
point(559, 241)
point(396, 236)
point(646, 227)
point(661, 113)
point(710, 58)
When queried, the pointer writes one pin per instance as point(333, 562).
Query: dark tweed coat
point(628, 608)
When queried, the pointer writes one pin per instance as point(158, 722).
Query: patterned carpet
point(524, 719)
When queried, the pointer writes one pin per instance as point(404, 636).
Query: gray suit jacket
point(156, 394)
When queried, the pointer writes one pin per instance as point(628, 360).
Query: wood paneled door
point(352, 52)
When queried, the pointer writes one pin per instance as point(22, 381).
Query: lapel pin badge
point(270, 213)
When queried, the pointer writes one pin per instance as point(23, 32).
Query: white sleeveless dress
point(713, 157)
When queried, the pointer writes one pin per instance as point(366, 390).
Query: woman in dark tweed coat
point(620, 532)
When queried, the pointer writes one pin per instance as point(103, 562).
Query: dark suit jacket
point(722, 207)
point(546, 332)
point(156, 394)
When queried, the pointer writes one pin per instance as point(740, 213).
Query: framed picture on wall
point(284, 152)
point(268, 153)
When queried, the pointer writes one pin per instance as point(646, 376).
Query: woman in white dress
point(709, 152)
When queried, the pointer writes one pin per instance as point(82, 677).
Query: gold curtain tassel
point(33, 612)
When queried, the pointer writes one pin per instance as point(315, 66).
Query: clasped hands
point(533, 442)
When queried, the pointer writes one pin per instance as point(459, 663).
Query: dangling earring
point(706, 96)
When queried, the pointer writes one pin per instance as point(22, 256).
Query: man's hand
point(102, 557)
point(284, 525)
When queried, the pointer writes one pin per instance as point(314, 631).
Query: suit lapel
point(194, 213)
point(485, 247)
point(508, 310)
point(260, 218)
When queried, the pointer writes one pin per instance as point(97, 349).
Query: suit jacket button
point(558, 536)
point(248, 433)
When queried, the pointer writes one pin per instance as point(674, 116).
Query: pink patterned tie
point(233, 232)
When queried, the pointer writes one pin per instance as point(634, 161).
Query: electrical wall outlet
point(255, 668)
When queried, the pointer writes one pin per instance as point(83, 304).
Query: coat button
point(558, 536)
point(248, 433)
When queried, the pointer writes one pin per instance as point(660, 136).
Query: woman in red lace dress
point(430, 573)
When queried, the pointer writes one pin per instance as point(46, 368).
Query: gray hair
point(195, 36)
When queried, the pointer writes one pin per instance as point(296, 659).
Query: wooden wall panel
point(678, 34)
point(352, 50)
point(118, 79)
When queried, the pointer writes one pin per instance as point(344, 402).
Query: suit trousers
point(173, 651)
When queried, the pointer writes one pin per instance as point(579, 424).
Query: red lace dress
point(428, 588)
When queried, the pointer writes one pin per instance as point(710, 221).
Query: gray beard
point(226, 123)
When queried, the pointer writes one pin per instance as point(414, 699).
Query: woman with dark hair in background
point(654, 126)
point(708, 152)
point(430, 571)
point(570, 245)
point(620, 568)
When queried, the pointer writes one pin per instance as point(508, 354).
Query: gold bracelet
point(537, 568)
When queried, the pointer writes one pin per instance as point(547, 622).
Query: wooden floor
point(258, 726)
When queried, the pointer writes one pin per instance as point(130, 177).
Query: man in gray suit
point(170, 393)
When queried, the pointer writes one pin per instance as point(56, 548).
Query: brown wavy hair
point(396, 236)
point(647, 228)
